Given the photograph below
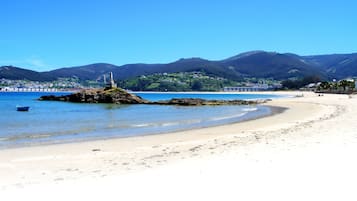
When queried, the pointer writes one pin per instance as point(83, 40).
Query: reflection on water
point(113, 106)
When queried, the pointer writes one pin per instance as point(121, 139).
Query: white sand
point(305, 153)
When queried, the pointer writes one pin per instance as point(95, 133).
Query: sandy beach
point(307, 152)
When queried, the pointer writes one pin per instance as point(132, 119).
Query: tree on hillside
point(299, 83)
point(196, 86)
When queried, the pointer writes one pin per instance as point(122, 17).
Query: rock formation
point(115, 95)
point(120, 96)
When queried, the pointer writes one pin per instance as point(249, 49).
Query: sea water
point(49, 122)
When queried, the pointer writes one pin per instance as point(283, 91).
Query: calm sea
point(60, 122)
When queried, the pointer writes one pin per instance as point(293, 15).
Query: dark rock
point(115, 95)
point(96, 150)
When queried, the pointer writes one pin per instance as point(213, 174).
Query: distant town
point(7, 85)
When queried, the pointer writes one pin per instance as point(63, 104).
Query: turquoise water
point(59, 122)
point(208, 96)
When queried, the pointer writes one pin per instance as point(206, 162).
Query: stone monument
point(111, 83)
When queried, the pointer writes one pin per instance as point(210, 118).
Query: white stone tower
point(111, 83)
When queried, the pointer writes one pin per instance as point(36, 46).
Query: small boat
point(22, 108)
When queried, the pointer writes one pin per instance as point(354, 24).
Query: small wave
point(191, 121)
point(228, 117)
point(250, 109)
point(38, 136)
point(155, 124)
point(169, 124)
point(142, 125)
point(24, 137)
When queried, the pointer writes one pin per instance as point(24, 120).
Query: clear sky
point(48, 34)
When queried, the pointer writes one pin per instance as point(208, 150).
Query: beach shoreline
point(58, 122)
point(273, 111)
point(306, 126)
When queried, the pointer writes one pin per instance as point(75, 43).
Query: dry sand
point(308, 152)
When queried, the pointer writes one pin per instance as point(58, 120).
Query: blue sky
point(48, 34)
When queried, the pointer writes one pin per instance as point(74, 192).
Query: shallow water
point(59, 122)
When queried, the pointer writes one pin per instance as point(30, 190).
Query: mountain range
point(258, 64)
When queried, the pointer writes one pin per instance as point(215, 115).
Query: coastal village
point(7, 85)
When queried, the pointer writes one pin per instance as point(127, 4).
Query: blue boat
point(22, 108)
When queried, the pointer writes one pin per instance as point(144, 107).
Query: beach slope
point(306, 152)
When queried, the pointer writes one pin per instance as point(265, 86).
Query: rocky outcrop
point(115, 95)
point(120, 96)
